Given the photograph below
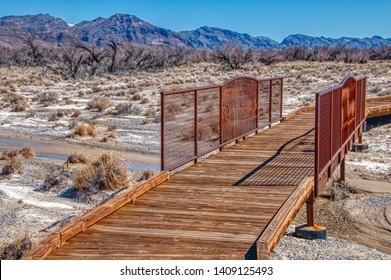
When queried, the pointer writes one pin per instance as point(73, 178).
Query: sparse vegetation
point(126, 109)
point(17, 248)
point(12, 166)
point(26, 152)
point(77, 158)
point(47, 98)
point(85, 129)
point(146, 175)
point(99, 103)
point(105, 173)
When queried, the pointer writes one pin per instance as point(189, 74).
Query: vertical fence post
point(162, 131)
point(331, 129)
point(196, 125)
point(310, 210)
point(342, 170)
point(257, 109)
point(281, 97)
point(221, 116)
point(317, 125)
point(270, 102)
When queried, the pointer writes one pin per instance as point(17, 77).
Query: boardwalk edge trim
point(285, 215)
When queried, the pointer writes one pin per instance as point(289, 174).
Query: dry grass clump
point(126, 109)
point(17, 248)
point(57, 180)
point(14, 98)
point(105, 173)
point(26, 152)
point(112, 135)
point(151, 113)
point(12, 166)
point(172, 110)
point(146, 175)
point(99, 103)
point(19, 107)
point(137, 97)
point(77, 158)
point(85, 129)
point(64, 113)
point(47, 98)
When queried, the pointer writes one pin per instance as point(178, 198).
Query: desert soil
point(54, 107)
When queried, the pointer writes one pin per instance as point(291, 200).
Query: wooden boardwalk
point(215, 209)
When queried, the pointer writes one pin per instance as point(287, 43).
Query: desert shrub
point(84, 129)
point(137, 97)
point(112, 135)
point(53, 118)
point(172, 110)
point(17, 248)
point(188, 134)
point(13, 165)
point(144, 100)
point(126, 109)
point(19, 108)
point(133, 90)
point(67, 100)
point(76, 113)
point(151, 113)
point(14, 98)
point(147, 174)
point(99, 103)
point(96, 89)
point(77, 158)
point(46, 98)
point(205, 132)
point(57, 180)
point(25, 152)
point(105, 173)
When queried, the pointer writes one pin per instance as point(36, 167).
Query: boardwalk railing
point(340, 116)
point(197, 121)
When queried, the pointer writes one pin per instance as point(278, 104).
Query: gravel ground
point(293, 248)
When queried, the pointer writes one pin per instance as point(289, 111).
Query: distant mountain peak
point(129, 28)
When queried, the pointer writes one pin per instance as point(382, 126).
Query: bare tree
point(32, 50)
point(95, 56)
point(233, 56)
point(114, 50)
point(268, 56)
point(68, 63)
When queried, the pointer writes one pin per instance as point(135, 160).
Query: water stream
point(131, 165)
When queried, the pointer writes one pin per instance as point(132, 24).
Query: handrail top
point(341, 84)
point(219, 85)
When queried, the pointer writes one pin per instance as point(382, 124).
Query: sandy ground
point(54, 107)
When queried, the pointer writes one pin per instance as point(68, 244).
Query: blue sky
point(273, 18)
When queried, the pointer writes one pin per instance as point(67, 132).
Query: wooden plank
point(280, 222)
point(297, 112)
point(378, 111)
point(81, 224)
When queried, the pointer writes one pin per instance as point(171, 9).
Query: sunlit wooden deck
point(216, 209)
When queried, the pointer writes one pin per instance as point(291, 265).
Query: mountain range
point(129, 28)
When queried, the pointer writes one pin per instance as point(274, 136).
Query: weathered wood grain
point(59, 238)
